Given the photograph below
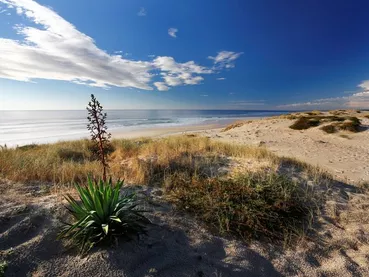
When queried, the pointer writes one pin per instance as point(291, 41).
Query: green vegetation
point(101, 215)
point(259, 205)
point(351, 124)
point(330, 129)
point(304, 123)
point(3, 267)
point(346, 123)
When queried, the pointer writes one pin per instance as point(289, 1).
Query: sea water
point(26, 127)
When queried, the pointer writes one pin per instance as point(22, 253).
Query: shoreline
point(121, 133)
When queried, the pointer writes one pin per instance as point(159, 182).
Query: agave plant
point(101, 214)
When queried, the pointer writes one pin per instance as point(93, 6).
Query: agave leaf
point(99, 210)
point(105, 228)
point(115, 218)
point(83, 195)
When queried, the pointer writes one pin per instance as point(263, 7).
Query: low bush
point(330, 129)
point(305, 123)
point(101, 215)
point(249, 206)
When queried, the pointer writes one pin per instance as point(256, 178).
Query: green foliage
point(101, 215)
point(3, 267)
point(98, 129)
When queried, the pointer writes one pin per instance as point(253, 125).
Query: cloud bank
point(355, 100)
point(53, 49)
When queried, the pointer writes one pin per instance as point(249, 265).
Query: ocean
point(26, 127)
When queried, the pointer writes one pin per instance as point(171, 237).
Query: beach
point(332, 168)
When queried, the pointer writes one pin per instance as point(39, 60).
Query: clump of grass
point(233, 125)
point(315, 112)
point(305, 123)
point(330, 129)
point(366, 116)
point(101, 215)
point(249, 206)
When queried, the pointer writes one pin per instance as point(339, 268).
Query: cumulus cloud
point(175, 74)
point(51, 48)
point(225, 59)
point(221, 79)
point(172, 32)
point(355, 100)
point(142, 12)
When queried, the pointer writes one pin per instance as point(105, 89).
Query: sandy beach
point(345, 155)
point(179, 245)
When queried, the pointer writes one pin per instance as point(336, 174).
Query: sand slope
point(345, 158)
point(176, 245)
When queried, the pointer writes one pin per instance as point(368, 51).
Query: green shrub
point(305, 123)
point(330, 129)
point(101, 215)
point(268, 206)
point(3, 267)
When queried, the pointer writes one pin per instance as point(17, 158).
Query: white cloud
point(58, 51)
point(176, 74)
point(51, 48)
point(161, 86)
point(364, 85)
point(221, 79)
point(225, 59)
point(172, 32)
point(142, 12)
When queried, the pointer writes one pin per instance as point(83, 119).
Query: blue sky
point(193, 54)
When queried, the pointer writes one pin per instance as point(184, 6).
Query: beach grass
point(195, 173)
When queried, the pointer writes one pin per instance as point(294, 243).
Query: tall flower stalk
point(98, 130)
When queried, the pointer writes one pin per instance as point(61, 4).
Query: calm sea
point(26, 127)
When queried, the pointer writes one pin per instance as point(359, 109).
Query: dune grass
point(345, 123)
point(305, 123)
point(235, 125)
point(195, 174)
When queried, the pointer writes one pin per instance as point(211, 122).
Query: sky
point(209, 54)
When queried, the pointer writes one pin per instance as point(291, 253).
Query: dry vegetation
point(235, 125)
point(196, 174)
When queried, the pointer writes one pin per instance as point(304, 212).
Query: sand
point(178, 245)
point(345, 157)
